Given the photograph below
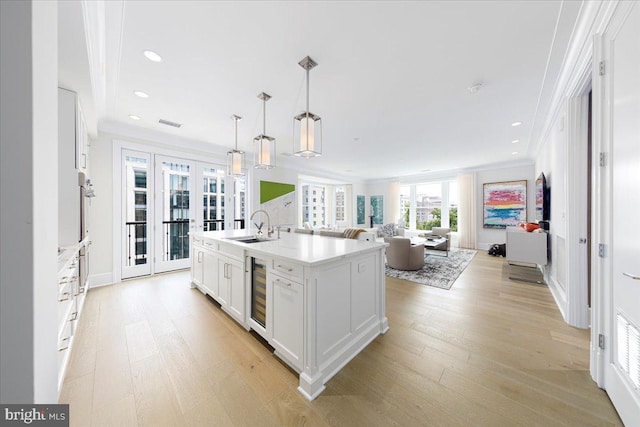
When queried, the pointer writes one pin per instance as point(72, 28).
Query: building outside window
point(213, 199)
point(313, 205)
point(340, 204)
point(136, 221)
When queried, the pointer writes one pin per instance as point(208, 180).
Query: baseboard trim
point(97, 280)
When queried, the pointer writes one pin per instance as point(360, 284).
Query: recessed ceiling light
point(515, 141)
point(152, 56)
point(514, 153)
point(425, 170)
point(514, 124)
point(134, 117)
point(348, 170)
point(474, 88)
point(140, 94)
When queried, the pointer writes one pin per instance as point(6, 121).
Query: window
point(313, 205)
point(340, 204)
point(405, 204)
point(428, 206)
point(421, 205)
point(454, 202)
point(213, 199)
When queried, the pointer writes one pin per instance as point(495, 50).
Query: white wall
point(488, 236)
point(552, 161)
point(29, 235)
point(390, 192)
point(100, 211)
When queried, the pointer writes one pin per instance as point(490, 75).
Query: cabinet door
point(223, 281)
point(287, 324)
point(210, 279)
point(197, 266)
point(235, 276)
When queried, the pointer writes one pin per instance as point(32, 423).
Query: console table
point(526, 248)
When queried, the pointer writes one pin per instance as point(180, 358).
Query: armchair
point(402, 255)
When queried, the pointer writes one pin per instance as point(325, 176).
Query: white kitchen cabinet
point(231, 291)
point(210, 277)
point(236, 282)
point(197, 265)
point(286, 319)
point(72, 288)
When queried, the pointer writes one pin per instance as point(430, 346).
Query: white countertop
point(302, 248)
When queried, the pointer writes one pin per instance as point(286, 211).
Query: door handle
point(633, 276)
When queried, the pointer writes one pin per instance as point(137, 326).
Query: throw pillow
point(387, 230)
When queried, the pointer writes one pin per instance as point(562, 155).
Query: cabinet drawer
point(211, 245)
point(288, 269)
point(232, 251)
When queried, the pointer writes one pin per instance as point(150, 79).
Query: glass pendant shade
point(307, 135)
point(235, 163)
point(265, 153)
point(235, 157)
point(307, 127)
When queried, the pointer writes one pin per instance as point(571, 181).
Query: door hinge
point(601, 68)
point(603, 159)
point(601, 341)
point(602, 250)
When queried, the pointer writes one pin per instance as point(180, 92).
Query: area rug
point(438, 271)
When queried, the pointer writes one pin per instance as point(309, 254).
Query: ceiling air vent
point(168, 123)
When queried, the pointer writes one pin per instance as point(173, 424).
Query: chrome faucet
point(269, 230)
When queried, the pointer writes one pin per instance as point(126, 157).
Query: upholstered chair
point(402, 255)
point(442, 232)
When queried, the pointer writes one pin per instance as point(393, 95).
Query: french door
point(163, 199)
point(174, 212)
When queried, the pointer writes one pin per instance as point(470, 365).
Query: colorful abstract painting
point(505, 204)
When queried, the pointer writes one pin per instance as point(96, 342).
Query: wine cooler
point(259, 291)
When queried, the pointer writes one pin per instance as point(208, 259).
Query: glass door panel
point(174, 218)
point(135, 229)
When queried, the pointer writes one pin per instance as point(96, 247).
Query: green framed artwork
point(360, 208)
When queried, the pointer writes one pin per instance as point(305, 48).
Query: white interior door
point(174, 212)
point(622, 360)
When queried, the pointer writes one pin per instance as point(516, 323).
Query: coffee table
point(432, 243)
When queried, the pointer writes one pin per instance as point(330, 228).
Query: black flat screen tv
point(543, 199)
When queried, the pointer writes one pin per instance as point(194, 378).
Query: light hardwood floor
point(488, 352)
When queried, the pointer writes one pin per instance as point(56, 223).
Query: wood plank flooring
point(488, 352)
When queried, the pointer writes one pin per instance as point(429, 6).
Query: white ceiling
point(393, 75)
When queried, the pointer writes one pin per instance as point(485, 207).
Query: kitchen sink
point(245, 239)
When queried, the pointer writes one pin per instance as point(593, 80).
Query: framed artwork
point(360, 208)
point(505, 203)
point(377, 209)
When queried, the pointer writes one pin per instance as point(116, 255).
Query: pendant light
point(307, 127)
point(265, 155)
point(235, 157)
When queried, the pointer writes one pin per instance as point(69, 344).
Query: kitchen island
point(317, 300)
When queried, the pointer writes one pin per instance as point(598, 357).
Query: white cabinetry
point(218, 271)
point(286, 319)
point(526, 247)
point(72, 158)
point(71, 296)
point(197, 263)
point(210, 273)
point(234, 274)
